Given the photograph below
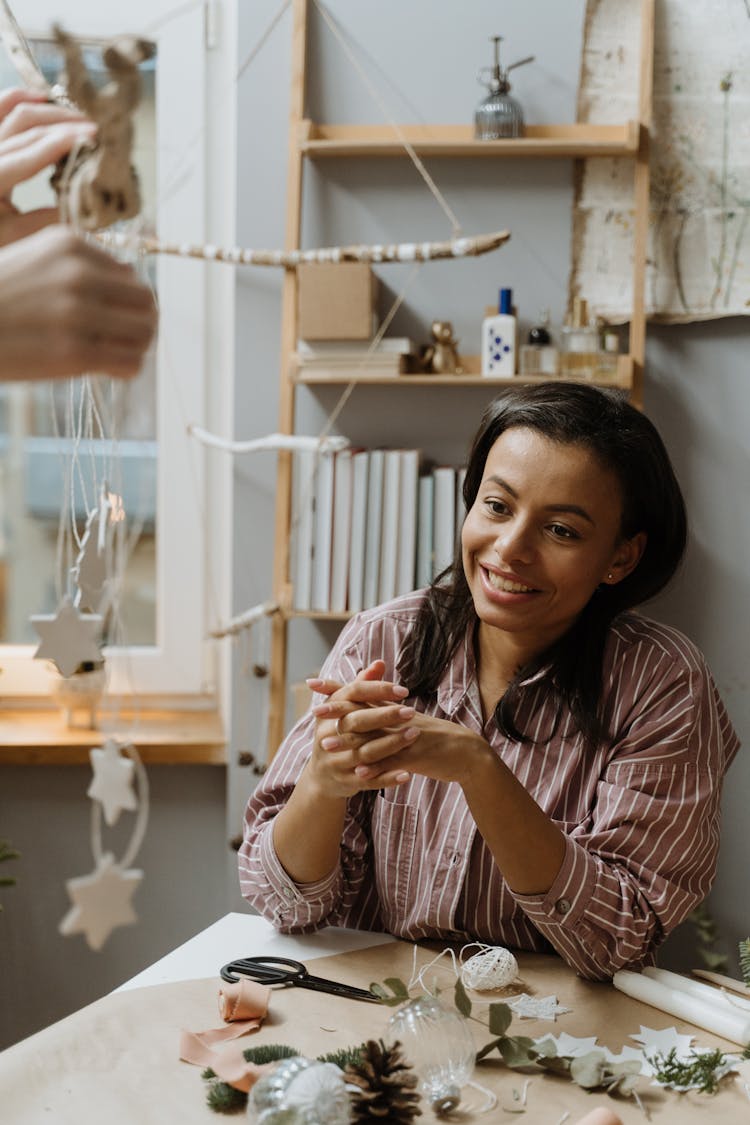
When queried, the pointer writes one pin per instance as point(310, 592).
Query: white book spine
point(303, 514)
point(360, 480)
point(444, 516)
point(390, 527)
point(321, 577)
point(407, 533)
point(342, 517)
point(374, 525)
point(425, 571)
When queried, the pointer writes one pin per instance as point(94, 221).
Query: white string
point(493, 966)
point(262, 41)
point(246, 620)
point(173, 14)
point(185, 162)
point(417, 977)
point(434, 190)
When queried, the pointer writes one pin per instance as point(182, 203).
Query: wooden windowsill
point(162, 736)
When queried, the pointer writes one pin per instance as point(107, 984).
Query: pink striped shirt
point(641, 815)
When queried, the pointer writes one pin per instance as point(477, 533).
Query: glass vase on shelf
point(539, 355)
point(579, 345)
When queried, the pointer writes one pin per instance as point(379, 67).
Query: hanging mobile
point(498, 115)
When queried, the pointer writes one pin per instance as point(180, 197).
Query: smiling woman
point(512, 755)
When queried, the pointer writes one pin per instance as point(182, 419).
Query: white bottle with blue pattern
point(499, 339)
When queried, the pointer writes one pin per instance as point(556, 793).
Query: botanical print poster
point(699, 229)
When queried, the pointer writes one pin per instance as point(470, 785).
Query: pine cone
point(386, 1085)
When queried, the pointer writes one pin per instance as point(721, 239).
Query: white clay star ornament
point(112, 784)
point(101, 902)
point(69, 638)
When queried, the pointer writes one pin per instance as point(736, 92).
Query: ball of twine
point(492, 967)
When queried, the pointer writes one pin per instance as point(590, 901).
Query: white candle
point(695, 988)
point(725, 982)
point(734, 1026)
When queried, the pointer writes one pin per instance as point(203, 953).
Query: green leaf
point(588, 1070)
point(397, 987)
point(463, 1003)
point(500, 1018)
point(555, 1064)
point(518, 1051)
point(395, 994)
point(546, 1047)
point(487, 1049)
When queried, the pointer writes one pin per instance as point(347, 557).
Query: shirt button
point(288, 894)
point(562, 906)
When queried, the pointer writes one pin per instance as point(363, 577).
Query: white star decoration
point(68, 637)
point(101, 902)
point(112, 784)
point(536, 1007)
point(653, 1041)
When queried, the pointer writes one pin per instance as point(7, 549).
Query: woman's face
point(542, 534)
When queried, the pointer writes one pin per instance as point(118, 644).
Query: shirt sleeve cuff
point(292, 897)
point(565, 902)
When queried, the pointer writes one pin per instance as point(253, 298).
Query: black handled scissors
point(282, 970)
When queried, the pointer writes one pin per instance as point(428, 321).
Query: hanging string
point(141, 820)
point(432, 186)
point(183, 164)
point(262, 41)
point(175, 13)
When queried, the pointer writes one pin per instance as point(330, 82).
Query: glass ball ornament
point(438, 1043)
point(300, 1091)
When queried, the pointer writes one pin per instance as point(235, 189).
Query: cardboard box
point(336, 300)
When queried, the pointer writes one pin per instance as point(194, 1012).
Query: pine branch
point(697, 1072)
point(745, 960)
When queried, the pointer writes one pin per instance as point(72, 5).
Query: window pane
point(33, 459)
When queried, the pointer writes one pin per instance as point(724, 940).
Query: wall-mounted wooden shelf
point(573, 140)
point(36, 737)
point(470, 378)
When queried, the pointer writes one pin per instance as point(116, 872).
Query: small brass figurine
point(441, 356)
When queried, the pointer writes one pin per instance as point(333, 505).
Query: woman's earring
point(610, 576)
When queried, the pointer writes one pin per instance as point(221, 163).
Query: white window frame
point(196, 161)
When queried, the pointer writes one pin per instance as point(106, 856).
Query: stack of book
point(335, 359)
point(368, 525)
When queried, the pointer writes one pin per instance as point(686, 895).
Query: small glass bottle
point(498, 115)
point(580, 344)
point(608, 360)
point(539, 355)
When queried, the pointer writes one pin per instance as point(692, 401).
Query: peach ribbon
point(243, 1007)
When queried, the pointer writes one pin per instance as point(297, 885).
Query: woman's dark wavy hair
point(626, 443)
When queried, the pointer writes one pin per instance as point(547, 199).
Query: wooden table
point(117, 1060)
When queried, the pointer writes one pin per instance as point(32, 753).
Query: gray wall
point(423, 59)
point(44, 810)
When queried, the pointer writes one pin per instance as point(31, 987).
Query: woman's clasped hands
point(366, 738)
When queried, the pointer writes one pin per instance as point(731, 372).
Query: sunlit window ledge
point(184, 731)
